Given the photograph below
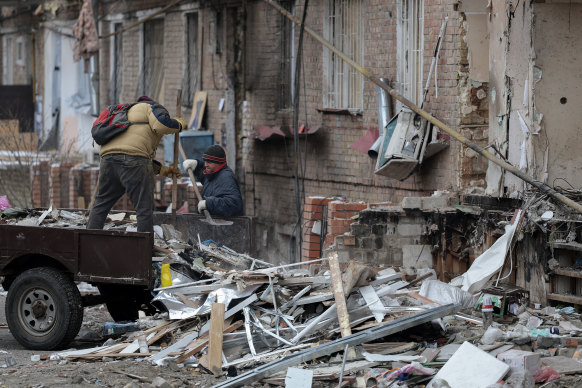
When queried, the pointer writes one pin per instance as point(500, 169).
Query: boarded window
point(410, 44)
point(116, 65)
point(190, 79)
point(286, 65)
point(153, 59)
point(344, 28)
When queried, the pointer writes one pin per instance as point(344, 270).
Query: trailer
point(40, 265)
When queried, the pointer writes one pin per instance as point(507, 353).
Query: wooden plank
point(199, 344)
point(215, 340)
point(163, 332)
point(566, 298)
point(184, 299)
point(573, 246)
point(340, 300)
point(568, 272)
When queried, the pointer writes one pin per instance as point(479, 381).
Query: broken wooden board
point(199, 344)
point(215, 338)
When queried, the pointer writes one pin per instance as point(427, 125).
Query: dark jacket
point(221, 191)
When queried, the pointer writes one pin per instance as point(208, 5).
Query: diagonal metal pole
point(483, 152)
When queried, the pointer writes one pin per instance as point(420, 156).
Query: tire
point(124, 302)
point(43, 309)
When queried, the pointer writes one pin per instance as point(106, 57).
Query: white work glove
point(190, 164)
point(202, 206)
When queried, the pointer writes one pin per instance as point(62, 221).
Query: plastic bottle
point(166, 275)
point(487, 310)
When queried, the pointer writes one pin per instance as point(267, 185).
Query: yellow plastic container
point(166, 275)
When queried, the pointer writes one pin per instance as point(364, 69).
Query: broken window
point(286, 64)
point(190, 79)
point(116, 65)
point(344, 28)
point(153, 60)
point(410, 43)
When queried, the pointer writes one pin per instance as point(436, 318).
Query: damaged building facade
point(502, 74)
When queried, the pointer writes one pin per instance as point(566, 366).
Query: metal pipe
point(384, 116)
point(483, 152)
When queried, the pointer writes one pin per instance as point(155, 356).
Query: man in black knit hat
point(220, 189)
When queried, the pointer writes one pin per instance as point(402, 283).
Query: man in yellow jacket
point(126, 164)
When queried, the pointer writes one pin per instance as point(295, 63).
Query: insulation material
point(444, 293)
point(489, 262)
point(85, 32)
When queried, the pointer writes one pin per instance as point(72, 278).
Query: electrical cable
point(297, 164)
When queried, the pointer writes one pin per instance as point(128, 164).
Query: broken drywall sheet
point(469, 363)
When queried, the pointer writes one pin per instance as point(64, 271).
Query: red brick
point(310, 246)
point(317, 200)
point(340, 215)
point(356, 206)
point(337, 206)
point(312, 238)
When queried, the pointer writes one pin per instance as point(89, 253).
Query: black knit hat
point(214, 154)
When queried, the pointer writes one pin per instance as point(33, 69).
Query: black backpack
point(111, 122)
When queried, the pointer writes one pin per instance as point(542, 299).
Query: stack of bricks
point(40, 183)
point(313, 211)
point(339, 218)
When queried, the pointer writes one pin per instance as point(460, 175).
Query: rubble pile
point(244, 320)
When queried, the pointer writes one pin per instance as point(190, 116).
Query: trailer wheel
point(43, 309)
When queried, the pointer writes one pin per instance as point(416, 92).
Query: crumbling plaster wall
point(558, 81)
point(473, 95)
point(535, 78)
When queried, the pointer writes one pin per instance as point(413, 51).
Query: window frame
point(341, 91)
point(410, 38)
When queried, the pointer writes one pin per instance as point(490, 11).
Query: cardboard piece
point(470, 363)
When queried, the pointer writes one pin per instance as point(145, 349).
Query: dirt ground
point(104, 373)
point(127, 373)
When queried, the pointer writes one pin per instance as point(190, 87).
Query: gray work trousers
point(120, 174)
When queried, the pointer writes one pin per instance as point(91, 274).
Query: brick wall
point(330, 168)
point(72, 186)
point(331, 217)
